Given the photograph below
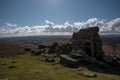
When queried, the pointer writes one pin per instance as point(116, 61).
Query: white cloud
point(50, 24)
point(10, 24)
point(91, 20)
point(67, 28)
point(114, 25)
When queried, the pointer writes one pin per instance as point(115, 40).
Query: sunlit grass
point(30, 67)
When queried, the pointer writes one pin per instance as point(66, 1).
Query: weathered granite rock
point(66, 60)
point(54, 48)
point(80, 55)
point(78, 69)
point(77, 54)
point(50, 59)
point(65, 48)
point(109, 59)
point(36, 52)
point(89, 74)
point(89, 41)
point(101, 64)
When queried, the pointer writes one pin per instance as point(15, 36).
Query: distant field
point(29, 67)
point(37, 39)
point(111, 45)
point(10, 47)
point(14, 45)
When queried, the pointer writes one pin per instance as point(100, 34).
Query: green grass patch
point(30, 67)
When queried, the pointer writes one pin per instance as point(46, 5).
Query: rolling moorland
point(30, 67)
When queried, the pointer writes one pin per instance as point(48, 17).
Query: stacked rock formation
point(86, 46)
point(89, 41)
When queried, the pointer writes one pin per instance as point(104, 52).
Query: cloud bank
point(50, 28)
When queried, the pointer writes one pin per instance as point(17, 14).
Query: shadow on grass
point(113, 69)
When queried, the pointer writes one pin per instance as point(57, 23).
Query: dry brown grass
point(8, 47)
point(111, 47)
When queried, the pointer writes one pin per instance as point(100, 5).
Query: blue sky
point(32, 12)
point(41, 12)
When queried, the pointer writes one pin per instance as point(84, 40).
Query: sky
point(57, 17)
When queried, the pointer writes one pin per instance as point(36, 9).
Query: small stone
point(50, 59)
point(89, 74)
point(78, 69)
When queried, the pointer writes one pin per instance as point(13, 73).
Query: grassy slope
point(34, 68)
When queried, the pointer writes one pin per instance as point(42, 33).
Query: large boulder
point(66, 60)
point(65, 48)
point(76, 54)
point(101, 64)
point(89, 41)
point(54, 48)
point(80, 55)
point(109, 59)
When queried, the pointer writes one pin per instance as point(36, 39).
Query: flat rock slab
point(50, 59)
point(66, 60)
point(89, 74)
point(78, 69)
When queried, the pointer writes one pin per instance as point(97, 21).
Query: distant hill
point(9, 47)
point(14, 45)
point(37, 39)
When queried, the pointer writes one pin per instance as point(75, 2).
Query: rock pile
point(87, 47)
